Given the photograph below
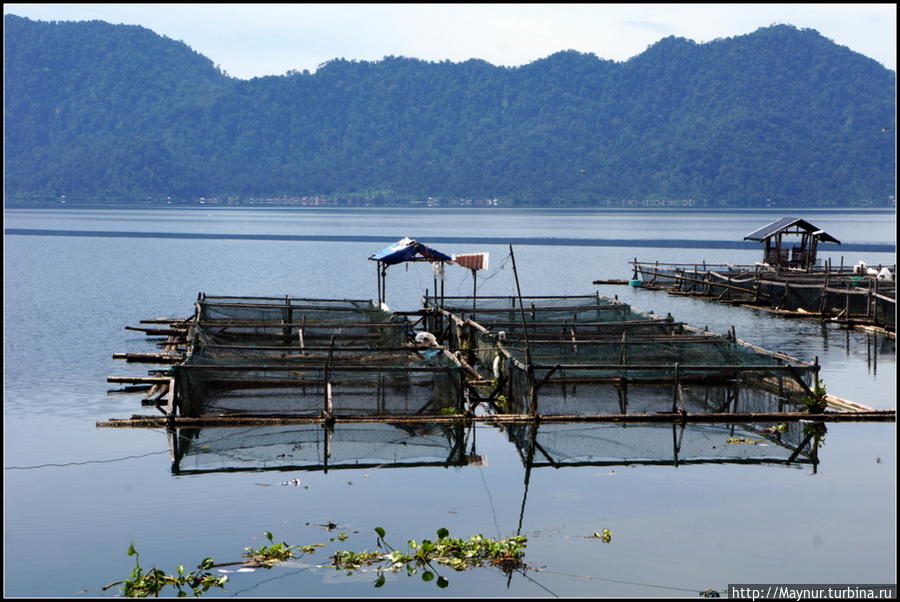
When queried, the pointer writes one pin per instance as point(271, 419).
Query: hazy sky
point(249, 40)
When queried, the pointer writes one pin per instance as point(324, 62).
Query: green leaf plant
point(453, 552)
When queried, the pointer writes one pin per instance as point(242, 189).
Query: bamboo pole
point(667, 417)
point(150, 358)
point(137, 379)
point(529, 371)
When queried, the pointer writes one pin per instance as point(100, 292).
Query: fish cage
point(287, 360)
point(290, 321)
point(597, 356)
point(849, 294)
point(285, 356)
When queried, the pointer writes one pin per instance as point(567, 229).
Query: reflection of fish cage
point(573, 444)
point(313, 447)
point(577, 356)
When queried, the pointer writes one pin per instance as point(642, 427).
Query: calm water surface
point(76, 496)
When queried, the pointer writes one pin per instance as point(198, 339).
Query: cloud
point(268, 39)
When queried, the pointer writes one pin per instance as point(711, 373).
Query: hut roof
point(407, 249)
point(784, 223)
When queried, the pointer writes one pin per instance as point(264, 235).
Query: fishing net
point(304, 356)
point(316, 447)
point(581, 366)
point(296, 321)
point(573, 444)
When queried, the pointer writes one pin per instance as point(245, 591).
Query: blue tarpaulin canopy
point(406, 250)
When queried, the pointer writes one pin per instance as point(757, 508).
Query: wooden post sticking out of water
point(329, 402)
point(287, 320)
point(378, 280)
point(675, 390)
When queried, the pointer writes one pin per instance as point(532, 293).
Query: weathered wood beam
point(663, 417)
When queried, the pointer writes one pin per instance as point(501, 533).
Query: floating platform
point(842, 295)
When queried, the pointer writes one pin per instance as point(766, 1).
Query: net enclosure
point(860, 294)
point(287, 355)
point(588, 355)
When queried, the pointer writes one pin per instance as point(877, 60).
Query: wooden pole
point(329, 404)
point(529, 369)
point(697, 417)
point(675, 389)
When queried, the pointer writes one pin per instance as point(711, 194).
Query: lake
point(76, 496)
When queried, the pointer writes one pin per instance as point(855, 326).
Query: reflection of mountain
point(317, 447)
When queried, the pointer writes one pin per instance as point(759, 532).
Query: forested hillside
point(100, 112)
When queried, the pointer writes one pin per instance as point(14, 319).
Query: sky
point(252, 40)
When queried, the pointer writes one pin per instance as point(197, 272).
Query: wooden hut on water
point(778, 253)
point(789, 279)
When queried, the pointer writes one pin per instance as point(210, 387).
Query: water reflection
point(571, 444)
point(371, 445)
point(317, 447)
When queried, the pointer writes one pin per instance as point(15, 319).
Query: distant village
point(380, 201)
point(318, 201)
point(323, 201)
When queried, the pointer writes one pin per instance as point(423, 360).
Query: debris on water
point(329, 525)
point(737, 440)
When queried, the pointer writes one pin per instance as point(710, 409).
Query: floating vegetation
point(142, 585)
point(456, 553)
point(268, 556)
point(778, 429)
point(739, 440)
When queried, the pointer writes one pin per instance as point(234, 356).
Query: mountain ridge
point(97, 112)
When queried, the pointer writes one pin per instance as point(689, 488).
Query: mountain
point(100, 112)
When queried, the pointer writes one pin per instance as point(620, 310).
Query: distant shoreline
point(455, 208)
point(569, 242)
